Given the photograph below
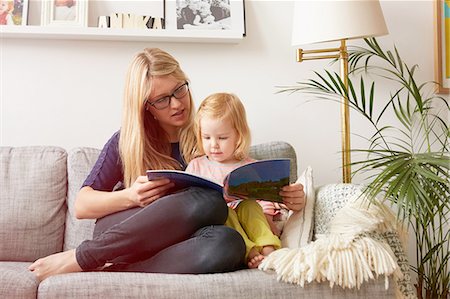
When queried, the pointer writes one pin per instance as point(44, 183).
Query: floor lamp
point(317, 21)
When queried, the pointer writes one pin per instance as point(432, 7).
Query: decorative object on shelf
point(13, 12)
point(126, 20)
point(407, 158)
point(323, 21)
point(103, 22)
point(205, 15)
point(61, 13)
point(156, 23)
point(442, 45)
point(116, 20)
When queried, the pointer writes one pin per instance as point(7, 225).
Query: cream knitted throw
point(346, 256)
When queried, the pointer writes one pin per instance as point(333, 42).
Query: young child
point(223, 138)
point(6, 9)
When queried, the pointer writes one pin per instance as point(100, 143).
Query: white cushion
point(330, 199)
point(298, 228)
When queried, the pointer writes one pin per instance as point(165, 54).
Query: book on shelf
point(261, 179)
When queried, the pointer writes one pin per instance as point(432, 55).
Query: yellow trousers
point(249, 220)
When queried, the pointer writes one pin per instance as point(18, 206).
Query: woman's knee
point(207, 207)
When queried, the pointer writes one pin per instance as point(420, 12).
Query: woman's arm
point(293, 196)
point(92, 204)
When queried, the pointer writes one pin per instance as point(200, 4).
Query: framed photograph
point(13, 12)
point(442, 44)
point(205, 15)
point(64, 13)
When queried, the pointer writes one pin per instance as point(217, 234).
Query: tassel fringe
point(347, 256)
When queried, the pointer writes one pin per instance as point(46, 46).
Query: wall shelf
point(119, 34)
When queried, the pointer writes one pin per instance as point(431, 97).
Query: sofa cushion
point(16, 281)
point(298, 229)
point(244, 284)
point(32, 202)
point(79, 163)
point(275, 150)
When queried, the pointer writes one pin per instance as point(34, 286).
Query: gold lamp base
point(341, 54)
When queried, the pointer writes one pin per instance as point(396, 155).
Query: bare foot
point(58, 263)
point(255, 261)
point(266, 250)
point(252, 254)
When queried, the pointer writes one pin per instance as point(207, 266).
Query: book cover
point(257, 180)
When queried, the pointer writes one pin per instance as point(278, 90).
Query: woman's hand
point(144, 192)
point(293, 196)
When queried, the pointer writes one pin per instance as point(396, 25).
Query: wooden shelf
point(118, 34)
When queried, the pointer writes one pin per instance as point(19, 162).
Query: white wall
point(68, 93)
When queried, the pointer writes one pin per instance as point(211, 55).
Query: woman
point(140, 227)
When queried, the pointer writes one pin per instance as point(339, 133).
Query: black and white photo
point(204, 14)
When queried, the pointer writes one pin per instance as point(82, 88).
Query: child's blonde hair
point(10, 5)
point(225, 106)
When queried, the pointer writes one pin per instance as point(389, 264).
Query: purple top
point(107, 173)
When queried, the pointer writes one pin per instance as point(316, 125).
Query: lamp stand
point(341, 54)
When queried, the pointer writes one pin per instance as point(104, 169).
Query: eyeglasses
point(164, 102)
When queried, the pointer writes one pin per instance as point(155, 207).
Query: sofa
point(38, 185)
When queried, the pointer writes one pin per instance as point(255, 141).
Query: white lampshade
point(329, 20)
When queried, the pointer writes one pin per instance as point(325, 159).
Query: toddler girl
point(223, 138)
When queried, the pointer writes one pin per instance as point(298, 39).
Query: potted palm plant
point(406, 163)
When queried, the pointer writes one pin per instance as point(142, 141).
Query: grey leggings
point(179, 233)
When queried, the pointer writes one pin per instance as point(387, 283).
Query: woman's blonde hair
point(143, 143)
point(225, 106)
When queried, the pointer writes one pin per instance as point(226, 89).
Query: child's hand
point(293, 196)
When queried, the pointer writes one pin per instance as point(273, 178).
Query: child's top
point(213, 170)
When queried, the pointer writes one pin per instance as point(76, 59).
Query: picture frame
point(442, 45)
point(208, 15)
point(64, 13)
point(15, 13)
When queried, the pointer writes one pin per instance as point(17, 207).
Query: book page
point(258, 180)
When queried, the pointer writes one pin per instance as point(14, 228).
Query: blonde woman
point(224, 142)
point(140, 227)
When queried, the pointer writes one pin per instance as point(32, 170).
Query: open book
point(258, 180)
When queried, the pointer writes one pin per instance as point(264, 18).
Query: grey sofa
point(37, 191)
